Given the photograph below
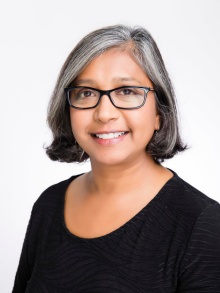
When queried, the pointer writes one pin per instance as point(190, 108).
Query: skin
point(124, 178)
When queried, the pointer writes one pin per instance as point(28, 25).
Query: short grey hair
point(166, 142)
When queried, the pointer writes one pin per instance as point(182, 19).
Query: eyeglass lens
point(129, 97)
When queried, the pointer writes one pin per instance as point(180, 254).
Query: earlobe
point(157, 123)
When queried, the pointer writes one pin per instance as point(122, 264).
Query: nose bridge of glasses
point(105, 93)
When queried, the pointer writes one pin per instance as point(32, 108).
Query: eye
point(85, 93)
point(126, 91)
point(129, 91)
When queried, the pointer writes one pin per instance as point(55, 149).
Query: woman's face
point(110, 70)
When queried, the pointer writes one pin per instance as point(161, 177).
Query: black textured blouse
point(171, 245)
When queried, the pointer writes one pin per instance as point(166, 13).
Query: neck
point(113, 180)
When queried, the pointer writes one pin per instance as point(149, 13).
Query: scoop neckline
point(121, 228)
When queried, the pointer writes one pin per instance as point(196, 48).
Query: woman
point(128, 225)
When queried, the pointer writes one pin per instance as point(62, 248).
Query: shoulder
point(196, 221)
point(47, 207)
point(187, 199)
point(53, 195)
point(186, 205)
point(200, 265)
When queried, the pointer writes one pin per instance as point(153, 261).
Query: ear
point(157, 122)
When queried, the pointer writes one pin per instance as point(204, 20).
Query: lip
point(110, 141)
point(108, 131)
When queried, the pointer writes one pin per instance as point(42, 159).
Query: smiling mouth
point(109, 135)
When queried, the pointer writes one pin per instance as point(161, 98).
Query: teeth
point(109, 135)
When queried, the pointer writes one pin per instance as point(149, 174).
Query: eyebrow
point(84, 81)
point(115, 79)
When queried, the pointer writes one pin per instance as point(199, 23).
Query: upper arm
point(23, 271)
point(28, 254)
point(200, 267)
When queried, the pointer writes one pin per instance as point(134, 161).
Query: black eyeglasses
point(124, 97)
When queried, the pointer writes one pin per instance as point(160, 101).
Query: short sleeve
point(200, 267)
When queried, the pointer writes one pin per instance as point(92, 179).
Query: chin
point(116, 159)
point(109, 160)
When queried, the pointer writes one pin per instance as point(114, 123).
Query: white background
point(36, 37)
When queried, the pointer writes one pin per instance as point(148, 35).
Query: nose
point(106, 111)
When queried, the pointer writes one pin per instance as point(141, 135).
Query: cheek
point(76, 120)
point(146, 118)
point(80, 123)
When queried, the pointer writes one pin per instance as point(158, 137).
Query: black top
point(171, 245)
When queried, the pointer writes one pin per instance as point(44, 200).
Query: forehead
point(113, 66)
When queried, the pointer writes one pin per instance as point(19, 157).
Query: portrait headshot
point(110, 154)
